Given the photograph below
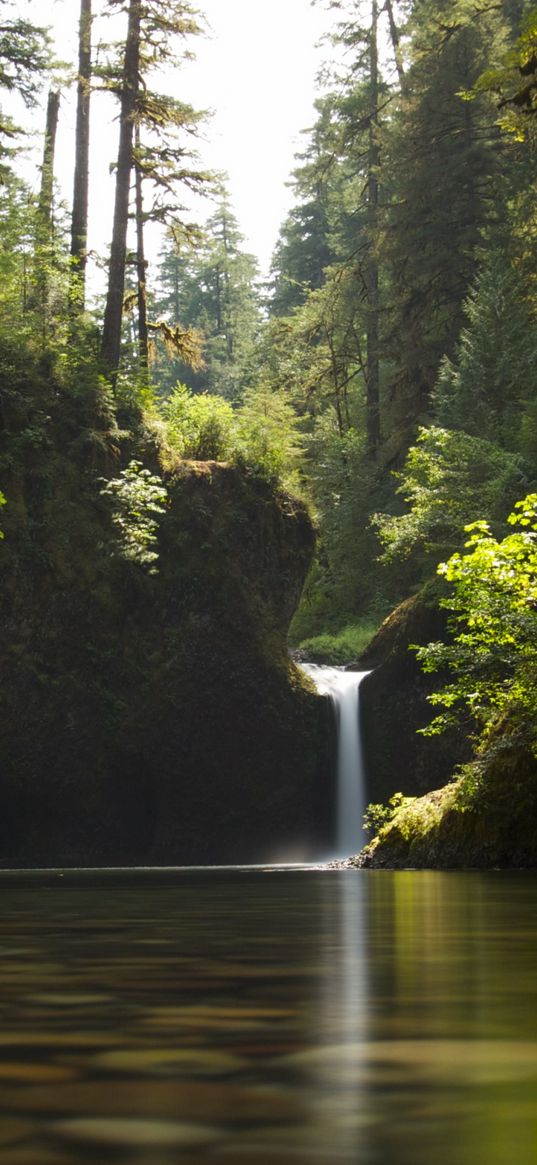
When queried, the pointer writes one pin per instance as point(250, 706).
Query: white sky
point(257, 72)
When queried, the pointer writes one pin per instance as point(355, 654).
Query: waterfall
point(343, 688)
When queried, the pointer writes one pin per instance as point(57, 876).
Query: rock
point(150, 719)
point(394, 705)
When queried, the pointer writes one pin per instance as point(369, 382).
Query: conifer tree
point(489, 388)
point(444, 169)
point(79, 221)
point(111, 337)
point(157, 156)
point(24, 59)
point(212, 288)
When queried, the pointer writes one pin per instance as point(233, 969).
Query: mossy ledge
point(483, 819)
point(148, 718)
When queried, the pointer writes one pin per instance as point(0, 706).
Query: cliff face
point(148, 718)
point(394, 705)
point(484, 814)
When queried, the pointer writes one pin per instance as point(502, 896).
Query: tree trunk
point(372, 272)
point(396, 44)
point(45, 214)
point(79, 221)
point(47, 170)
point(141, 266)
point(111, 338)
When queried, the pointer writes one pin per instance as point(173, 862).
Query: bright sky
point(257, 72)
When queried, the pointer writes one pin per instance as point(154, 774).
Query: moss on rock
point(394, 705)
point(148, 718)
point(485, 818)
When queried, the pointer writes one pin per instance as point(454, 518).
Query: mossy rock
point(150, 718)
point(486, 818)
point(394, 704)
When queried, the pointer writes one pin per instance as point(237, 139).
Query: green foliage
point(377, 816)
point(262, 433)
point(268, 435)
point(513, 82)
point(488, 385)
point(344, 484)
point(138, 499)
point(200, 426)
point(448, 475)
point(2, 503)
point(493, 656)
point(208, 282)
point(24, 57)
point(339, 647)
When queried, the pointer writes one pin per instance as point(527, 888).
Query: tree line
point(388, 362)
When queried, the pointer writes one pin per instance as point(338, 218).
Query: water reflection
point(357, 1017)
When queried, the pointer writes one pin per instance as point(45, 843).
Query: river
point(269, 1017)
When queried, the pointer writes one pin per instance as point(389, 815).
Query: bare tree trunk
point(228, 326)
point(47, 169)
point(396, 44)
point(111, 338)
point(372, 273)
point(79, 221)
point(45, 213)
point(141, 266)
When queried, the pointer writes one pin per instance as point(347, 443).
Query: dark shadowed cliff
point(147, 718)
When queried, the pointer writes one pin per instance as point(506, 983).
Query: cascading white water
point(343, 688)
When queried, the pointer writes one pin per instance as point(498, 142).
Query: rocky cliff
point(147, 718)
point(394, 705)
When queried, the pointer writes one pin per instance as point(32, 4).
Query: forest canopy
point(386, 369)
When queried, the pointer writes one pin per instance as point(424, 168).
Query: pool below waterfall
point(269, 1017)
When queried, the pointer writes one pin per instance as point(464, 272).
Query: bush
point(493, 655)
point(340, 647)
point(200, 427)
point(267, 433)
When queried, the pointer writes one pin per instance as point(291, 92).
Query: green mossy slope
point(486, 818)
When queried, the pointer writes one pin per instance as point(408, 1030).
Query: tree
point(444, 167)
point(490, 384)
point(24, 59)
point(305, 245)
point(79, 221)
point(448, 476)
point(372, 265)
point(153, 31)
point(211, 285)
point(45, 243)
point(111, 336)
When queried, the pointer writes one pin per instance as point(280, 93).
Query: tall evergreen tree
point(212, 287)
point(305, 246)
point(79, 221)
point(158, 157)
point(444, 169)
point(24, 59)
point(111, 337)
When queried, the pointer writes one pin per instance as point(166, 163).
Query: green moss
point(148, 718)
point(486, 817)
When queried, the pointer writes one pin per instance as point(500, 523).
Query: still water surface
point(268, 1018)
